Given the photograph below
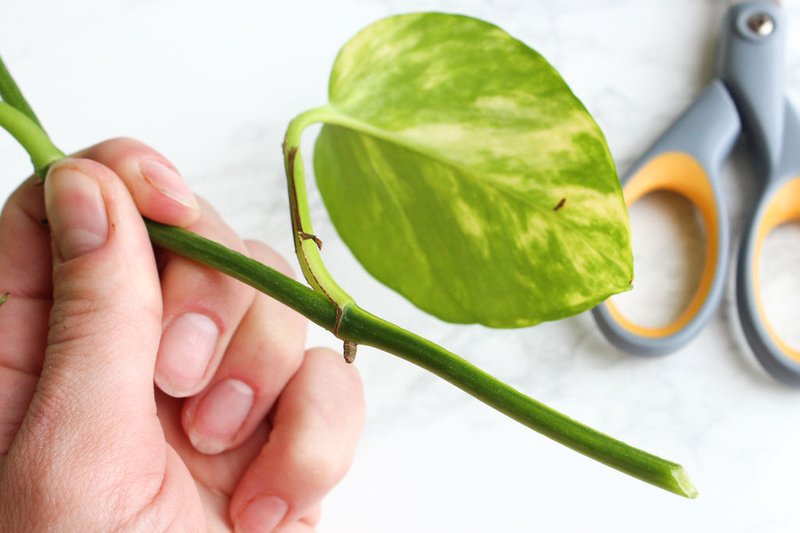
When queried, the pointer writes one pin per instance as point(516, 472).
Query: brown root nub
point(305, 236)
point(349, 352)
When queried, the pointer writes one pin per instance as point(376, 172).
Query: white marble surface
point(213, 87)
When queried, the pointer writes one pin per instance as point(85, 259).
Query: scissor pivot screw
point(761, 24)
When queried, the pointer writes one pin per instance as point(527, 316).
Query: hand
point(245, 428)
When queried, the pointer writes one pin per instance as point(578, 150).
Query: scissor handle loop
point(680, 173)
point(779, 204)
point(685, 160)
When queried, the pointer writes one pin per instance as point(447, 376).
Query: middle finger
point(263, 355)
point(202, 309)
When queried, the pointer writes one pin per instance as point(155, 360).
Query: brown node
point(306, 236)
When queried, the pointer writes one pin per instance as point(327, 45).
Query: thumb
point(105, 322)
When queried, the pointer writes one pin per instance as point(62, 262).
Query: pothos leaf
point(462, 172)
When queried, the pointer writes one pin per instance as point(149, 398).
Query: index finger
point(25, 277)
point(155, 184)
point(25, 242)
point(25, 272)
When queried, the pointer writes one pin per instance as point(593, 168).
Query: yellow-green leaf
point(462, 172)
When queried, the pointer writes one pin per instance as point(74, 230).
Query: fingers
point(317, 421)
point(95, 389)
point(25, 243)
point(25, 274)
point(23, 334)
point(106, 315)
point(264, 353)
point(158, 190)
point(202, 309)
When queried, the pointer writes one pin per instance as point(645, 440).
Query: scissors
point(746, 98)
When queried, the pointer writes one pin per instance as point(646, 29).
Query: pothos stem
point(10, 93)
point(334, 310)
point(42, 151)
point(360, 327)
point(306, 244)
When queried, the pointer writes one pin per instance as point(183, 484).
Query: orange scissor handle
point(682, 174)
point(685, 160)
point(780, 204)
point(783, 207)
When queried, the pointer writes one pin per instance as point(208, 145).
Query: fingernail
point(261, 515)
point(185, 352)
point(166, 181)
point(219, 415)
point(76, 212)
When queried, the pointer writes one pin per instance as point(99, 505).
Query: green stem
point(35, 141)
point(10, 93)
point(361, 327)
point(358, 326)
point(307, 246)
point(313, 305)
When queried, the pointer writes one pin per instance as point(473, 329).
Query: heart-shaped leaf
point(462, 172)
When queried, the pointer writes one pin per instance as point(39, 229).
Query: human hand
point(244, 427)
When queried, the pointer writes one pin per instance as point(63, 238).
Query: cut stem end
point(683, 484)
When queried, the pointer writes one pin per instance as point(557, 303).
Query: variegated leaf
point(462, 172)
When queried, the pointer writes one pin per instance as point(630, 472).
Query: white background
point(213, 88)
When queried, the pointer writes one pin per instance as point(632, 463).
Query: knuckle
point(344, 394)
point(73, 318)
point(117, 148)
point(121, 154)
point(347, 378)
point(278, 367)
point(82, 306)
point(124, 141)
point(211, 215)
point(320, 469)
point(86, 165)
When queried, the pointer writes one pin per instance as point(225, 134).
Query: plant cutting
point(463, 173)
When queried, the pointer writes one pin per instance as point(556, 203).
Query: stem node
point(310, 236)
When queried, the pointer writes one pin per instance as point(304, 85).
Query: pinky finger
point(317, 422)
